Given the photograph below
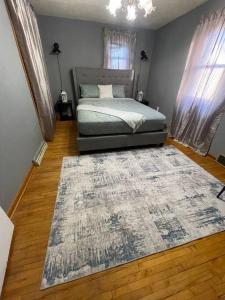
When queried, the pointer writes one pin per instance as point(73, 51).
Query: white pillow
point(105, 91)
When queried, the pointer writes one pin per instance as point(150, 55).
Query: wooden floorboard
point(192, 271)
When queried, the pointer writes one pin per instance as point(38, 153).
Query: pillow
point(119, 91)
point(89, 91)
point(105, 91)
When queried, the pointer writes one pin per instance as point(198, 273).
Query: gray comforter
point(134, 120)
point(94, 123)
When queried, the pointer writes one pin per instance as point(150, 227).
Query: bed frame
point(122, 77)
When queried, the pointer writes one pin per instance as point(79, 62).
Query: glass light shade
point(113, 6)
point(131, 12)
point(147, 6)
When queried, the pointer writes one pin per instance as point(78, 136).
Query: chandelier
point(130, 6)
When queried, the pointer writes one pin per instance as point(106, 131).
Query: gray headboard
point(104, 76)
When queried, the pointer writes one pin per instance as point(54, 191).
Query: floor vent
point(40, 153)
point(221, 160)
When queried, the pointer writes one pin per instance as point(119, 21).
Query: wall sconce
point(56, 51)
point(143, 58)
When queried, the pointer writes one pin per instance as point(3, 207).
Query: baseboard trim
point(212, 156)
point(19, 194)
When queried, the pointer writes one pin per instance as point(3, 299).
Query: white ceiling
point(94, 10)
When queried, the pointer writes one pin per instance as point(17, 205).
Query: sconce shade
point(144, 55)
point(56, 49)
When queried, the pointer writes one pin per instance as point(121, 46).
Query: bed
point(98, 131)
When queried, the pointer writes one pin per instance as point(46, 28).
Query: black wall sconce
point(143, 58)
point(56, 51)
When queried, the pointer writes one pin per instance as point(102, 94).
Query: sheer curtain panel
point(26, 29)
point(201, 98)
point(119, 49)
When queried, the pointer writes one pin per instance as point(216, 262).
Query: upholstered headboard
point(103, 76)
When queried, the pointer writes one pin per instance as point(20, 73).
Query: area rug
point(116, 207)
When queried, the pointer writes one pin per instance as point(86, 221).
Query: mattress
point(95, 123)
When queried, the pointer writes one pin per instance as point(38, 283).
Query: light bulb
point(131, 12)
point(113, 6)
point(147, 6)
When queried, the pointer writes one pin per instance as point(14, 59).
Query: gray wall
point(169, 57)
point(20, 135)
point(82, 45)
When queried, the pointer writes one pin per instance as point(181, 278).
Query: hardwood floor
point(193, 271)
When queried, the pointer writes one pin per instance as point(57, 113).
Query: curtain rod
point(108, 29)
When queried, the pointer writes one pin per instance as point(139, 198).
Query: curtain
point(119, 49)
point(201, 97)
point(26, 29)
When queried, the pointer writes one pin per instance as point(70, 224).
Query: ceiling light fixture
point(113, 6)
point(131, 12)
point(130, 7)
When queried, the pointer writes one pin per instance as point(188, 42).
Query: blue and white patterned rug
point(116, 207)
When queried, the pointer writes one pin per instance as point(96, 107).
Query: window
point(118, 57)
point(119, 49)
point(200, 101)
point(209, 73)
point(209, 76)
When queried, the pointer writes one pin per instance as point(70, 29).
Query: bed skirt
point(91, 143)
